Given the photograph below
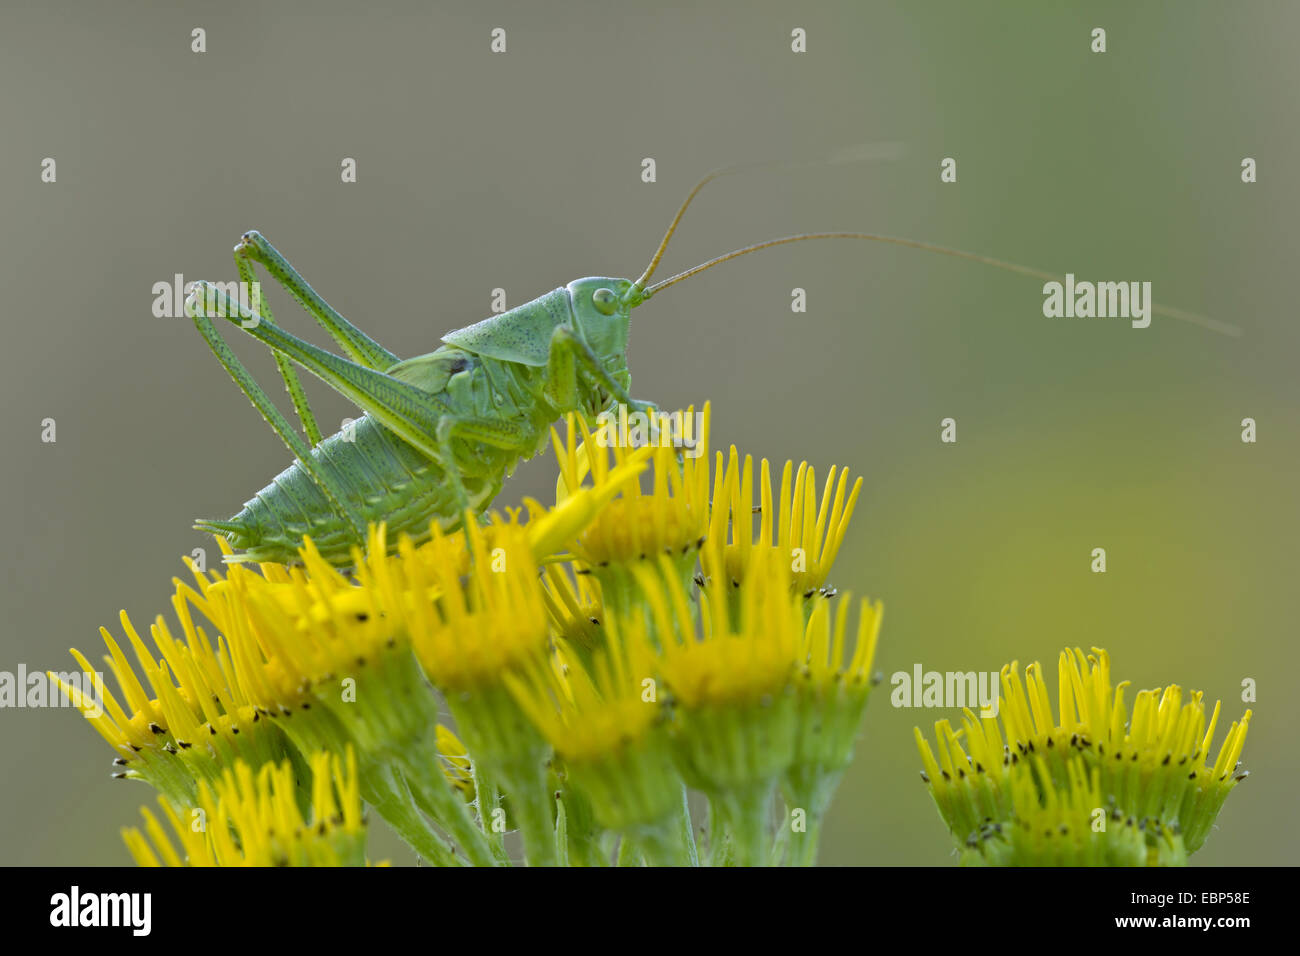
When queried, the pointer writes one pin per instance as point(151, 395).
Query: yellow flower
point(1070, 825)
point(589, 669)
point(1153, 767)
point(471, 636)
point(477, 631)
point(805, 532)
point(607, 727)
point(831, 689)
point(637, 526)
point(194, 722)
point(456, 765)
point(321, 655)
point(330, 661)
point(744, 659)
point(591, 714)
point(733, 692)
point(254, 820)
point(575, 606)
point(556, 528)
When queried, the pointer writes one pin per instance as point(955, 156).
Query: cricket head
point(602, 310)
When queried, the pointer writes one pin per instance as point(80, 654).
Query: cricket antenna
point(851, 154)
point(854, 154)
point(1194, 318)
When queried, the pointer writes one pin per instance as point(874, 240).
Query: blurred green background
point(522, 171)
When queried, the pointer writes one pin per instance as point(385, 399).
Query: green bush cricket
point(443, 430)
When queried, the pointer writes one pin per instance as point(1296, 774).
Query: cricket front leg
point(571, 357)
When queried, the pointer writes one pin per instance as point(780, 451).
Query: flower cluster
point(259, 821)
point(1096, 786)
point(656, 643)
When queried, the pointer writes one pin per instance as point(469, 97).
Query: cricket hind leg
point(361, 348)
point(404, 409)
point(323, 480)
point(292, 383)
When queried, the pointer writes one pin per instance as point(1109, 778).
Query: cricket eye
point(605, 301)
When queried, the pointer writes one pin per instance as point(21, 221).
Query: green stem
point(629, 854)
point(686, 829)
point(719, 846)
point(745, 813)
point(780, 846)
point(389, 795)
point(804, 845)
point(561, 835)
point(810, 790)
point(662, 845)
point(582, 836)
point(531, 797)
point(500, 734)
point(448, 808)
point(488, 799)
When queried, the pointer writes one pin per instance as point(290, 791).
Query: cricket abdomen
point(384, 478)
